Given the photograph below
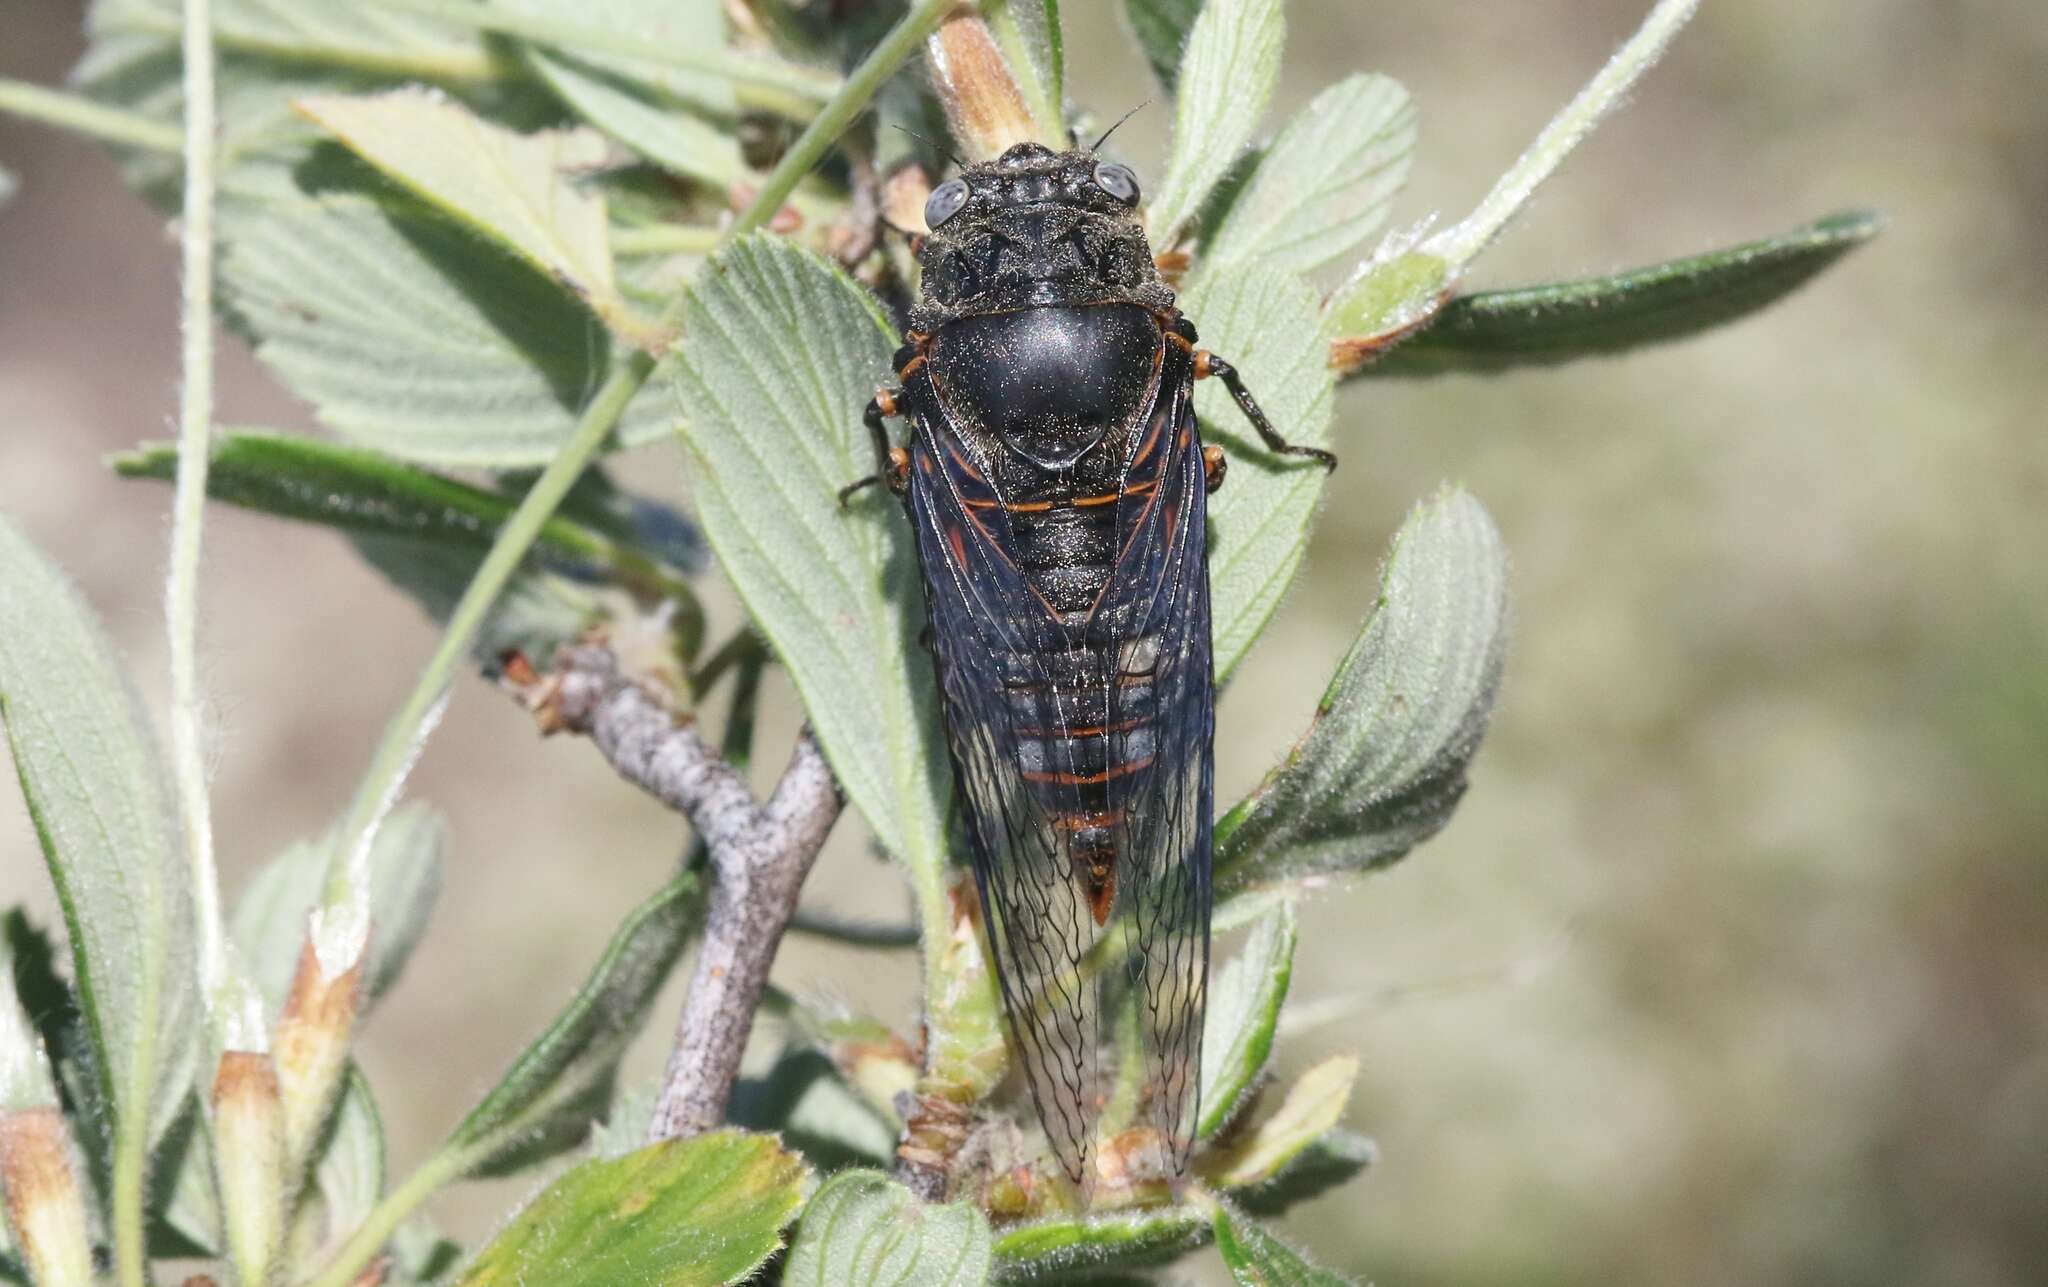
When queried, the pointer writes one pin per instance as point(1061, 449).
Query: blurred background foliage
point(1733, 968)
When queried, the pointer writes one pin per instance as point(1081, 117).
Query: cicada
point(1056, 480)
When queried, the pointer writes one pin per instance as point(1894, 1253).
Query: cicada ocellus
point(1056, 480)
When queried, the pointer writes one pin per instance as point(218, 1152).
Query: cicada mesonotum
point(1056, 480)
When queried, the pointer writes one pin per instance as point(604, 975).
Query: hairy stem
point(1566, 131)
point(188, 510)
point(846, 106)
point(401, 739)
point(362, 1246)
point(81, 115)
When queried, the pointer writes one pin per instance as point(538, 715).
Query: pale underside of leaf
point(1269, 326)
point(1384, 764)
point(1324, 186)
point(782, 354)
point(85, 757)
point(413, 337)
point(1232, 62)
point(514, 188)
point(1313, 1106)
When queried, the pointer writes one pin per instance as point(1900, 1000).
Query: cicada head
point(1036, 228)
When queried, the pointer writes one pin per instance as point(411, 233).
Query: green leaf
point(863, 1227)
point(361, 491)
point(1335, 1158)
point(411, 336)
point(269, 922)
point(1395, 293)
point(1267, 324)
point(1602, 316)
point(1324, 186)
point(1384, 764)
point(94, 785)
point(1161, 29)
point(550, 1097)
point(1065, 1248)
point(1244, 1013)
point(707, 1210)
point(1232, 61)
point(1314, 1105)
point(1258, 1259)
point(782, 353)
point(184, 1206)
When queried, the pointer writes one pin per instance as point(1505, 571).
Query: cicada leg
point(892, 464)
point(1208, 364)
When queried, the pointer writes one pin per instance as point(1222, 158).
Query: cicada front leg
point(892, 463)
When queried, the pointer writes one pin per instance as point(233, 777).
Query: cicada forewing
point(1082, 744)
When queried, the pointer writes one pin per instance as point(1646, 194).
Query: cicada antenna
point(1097, 144)
point(933, 144)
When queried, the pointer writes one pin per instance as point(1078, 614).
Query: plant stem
point(1460, 244)
point(81, 115)
point(401, 739)
point(768, 84)
point(384, 1218)
point(448, 65)
point(833, 119)
point(188, 508)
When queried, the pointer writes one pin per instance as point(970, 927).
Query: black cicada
point(1057, 482)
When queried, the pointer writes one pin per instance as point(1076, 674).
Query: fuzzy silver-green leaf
point(1324, 186)
point(781, 354)
point(863, 1227)
point(1243, 1015)
point(1383, 766)
point(91, 775)
point(1232, 62)
point(1267, 324)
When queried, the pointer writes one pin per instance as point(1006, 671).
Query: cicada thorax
point(1053, 421)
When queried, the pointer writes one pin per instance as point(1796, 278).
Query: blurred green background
point(1734, 966)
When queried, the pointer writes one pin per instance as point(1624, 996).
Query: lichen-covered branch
point(759, 853)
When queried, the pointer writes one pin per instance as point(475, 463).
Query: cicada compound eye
point(945, 202)
point(1118, 181)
